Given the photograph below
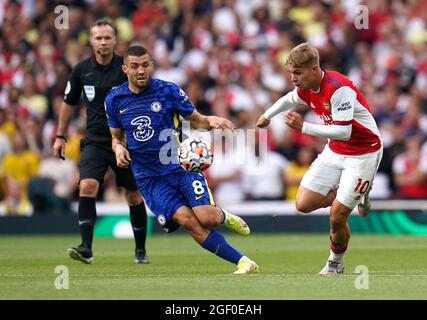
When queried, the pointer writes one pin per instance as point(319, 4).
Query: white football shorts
point(352, 175)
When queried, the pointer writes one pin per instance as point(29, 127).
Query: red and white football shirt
point(339, 102)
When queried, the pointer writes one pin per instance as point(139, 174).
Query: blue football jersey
point(150, 121)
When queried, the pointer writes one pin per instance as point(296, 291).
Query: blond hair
point(302, 56)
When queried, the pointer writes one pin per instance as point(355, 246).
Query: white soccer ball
point(195, 155)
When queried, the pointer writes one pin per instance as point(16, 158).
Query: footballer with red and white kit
point(342, 175)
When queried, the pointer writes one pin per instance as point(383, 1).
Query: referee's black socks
point(87, 217)
point(138, 219)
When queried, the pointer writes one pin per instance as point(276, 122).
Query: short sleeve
point(182, 103)
point(74, 87)
point(342, 104)
point(111, 112)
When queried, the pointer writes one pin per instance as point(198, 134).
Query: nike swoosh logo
point(198, 197)
point(121, 111)
point(217, 249)
point(83, 222)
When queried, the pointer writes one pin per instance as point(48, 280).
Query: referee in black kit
point(96, 76)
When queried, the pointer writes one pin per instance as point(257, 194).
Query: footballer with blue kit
point(143, 116)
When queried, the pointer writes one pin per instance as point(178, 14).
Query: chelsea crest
point(156, 106)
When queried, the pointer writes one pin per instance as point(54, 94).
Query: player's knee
point(209, 216)
point(133, 197)
point(210, 221)
point(303, 206)
point(88, 188)
point(303, 203)
point(337, 221)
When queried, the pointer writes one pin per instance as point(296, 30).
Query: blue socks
point(216, 243)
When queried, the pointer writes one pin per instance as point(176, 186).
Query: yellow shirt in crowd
point(21, 167)
point(294, 170)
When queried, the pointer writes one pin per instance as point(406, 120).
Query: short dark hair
point(104, 22)
point(135, 51)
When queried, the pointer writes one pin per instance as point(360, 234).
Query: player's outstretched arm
point(284, 103)
point(199, 121)
point(119, 147)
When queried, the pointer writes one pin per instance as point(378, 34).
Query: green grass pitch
point(180, 269)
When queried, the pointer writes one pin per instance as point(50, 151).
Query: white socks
point(336, 257)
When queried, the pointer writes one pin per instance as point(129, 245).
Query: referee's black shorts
point(96, 157)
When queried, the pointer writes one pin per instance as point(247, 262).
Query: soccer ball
point(195, 155)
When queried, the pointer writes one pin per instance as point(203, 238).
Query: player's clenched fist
point(294, 120)
point(262, 122)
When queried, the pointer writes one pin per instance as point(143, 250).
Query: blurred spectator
point(262, 171)
point(166, 71)
point(295, 171)
point(50, 191)
point(224, 176)
point(381, 188)
point(7, 126)
point(410, 171)
point(196, 95)
point(18, 168)
point(35, 103)
point(4, 145)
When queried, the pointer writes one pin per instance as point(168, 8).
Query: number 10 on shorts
point(362, 186)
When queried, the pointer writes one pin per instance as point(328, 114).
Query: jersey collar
point(321, 82)
point(150, 85)
point(95, 64)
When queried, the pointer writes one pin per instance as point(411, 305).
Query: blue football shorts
point(164, 195)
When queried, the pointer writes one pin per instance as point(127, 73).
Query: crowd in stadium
point(228, 56)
